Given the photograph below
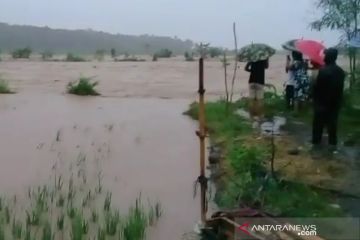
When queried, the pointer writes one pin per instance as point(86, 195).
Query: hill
point(84, 41)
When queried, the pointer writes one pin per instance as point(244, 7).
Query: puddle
point(273, 127)
point(140, 145)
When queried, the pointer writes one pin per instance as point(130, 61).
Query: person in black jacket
point(256, 84)
point(327, 96)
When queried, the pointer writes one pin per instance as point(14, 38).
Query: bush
point(83, 87)
point(73, 58)
point(100, 54)
point(113, 53)
point(189, 57)
point(22, 53)
point(164, 53)
point(4, 87)
point(215, 52)
point(46, 55)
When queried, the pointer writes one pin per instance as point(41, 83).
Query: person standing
point(297, 86)
point(289, 84)
point(327, 96)
point(314, 71)
point(256, 84)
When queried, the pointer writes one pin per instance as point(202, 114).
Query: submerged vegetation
point(83, 87)
point(41, 217)
point(4, 87)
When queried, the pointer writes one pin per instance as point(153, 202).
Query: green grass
point(83, 87)
point(248, 180)
point(112, 220)
point(47, 232)
point(136, 222)
point(2, 232)
point(16, 229)
point(4, 87)
point(221, 123)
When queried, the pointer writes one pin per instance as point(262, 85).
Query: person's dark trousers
point(289, 96)
point(325, 118)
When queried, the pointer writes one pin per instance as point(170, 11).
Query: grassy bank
point(246, 179)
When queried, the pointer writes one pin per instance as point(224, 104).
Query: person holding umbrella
point(327, 96)
point(297, 86)
point(256, 57)
point(257, 78)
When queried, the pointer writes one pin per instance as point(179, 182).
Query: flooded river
point(139, 145)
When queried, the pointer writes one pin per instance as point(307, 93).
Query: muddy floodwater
point(141, 145)
point(134, 134)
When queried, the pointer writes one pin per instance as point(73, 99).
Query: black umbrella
point(290, 45)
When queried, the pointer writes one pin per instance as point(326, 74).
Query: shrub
point(83, 87)
point(164, 53)
point(189, 57)
point(100, 54)
point(155, 58)
point(46, 55)
point(215, 52)
point(22, 53)
point(113, 53)
point(73, 58)
point(4, 87)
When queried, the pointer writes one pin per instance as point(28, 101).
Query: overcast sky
point(269, 21)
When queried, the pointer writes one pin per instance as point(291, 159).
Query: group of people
point(323, 87)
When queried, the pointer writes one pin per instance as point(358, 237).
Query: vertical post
point(202, 134)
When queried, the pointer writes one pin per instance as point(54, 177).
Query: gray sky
point(269, 21)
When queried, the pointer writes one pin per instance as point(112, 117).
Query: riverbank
point(246, 178)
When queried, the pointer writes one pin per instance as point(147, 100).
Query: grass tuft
point(4, 87)
point(83, 87)
point(70, 57)
point(136, 222)
point(47, 232)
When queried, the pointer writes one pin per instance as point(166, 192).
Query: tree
point(22, 53)
point(100, 54)
point(341, 15)
point(203, 49)
point(189, 57)
point(113, 53)
point(215, 52)
point(164, 53)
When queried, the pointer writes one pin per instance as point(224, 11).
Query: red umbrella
point(313, 49)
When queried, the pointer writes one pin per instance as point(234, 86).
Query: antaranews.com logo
point(326, 228)
point(299, 229)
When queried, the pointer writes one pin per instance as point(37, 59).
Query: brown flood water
point(140, 145)
point(136, 135)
